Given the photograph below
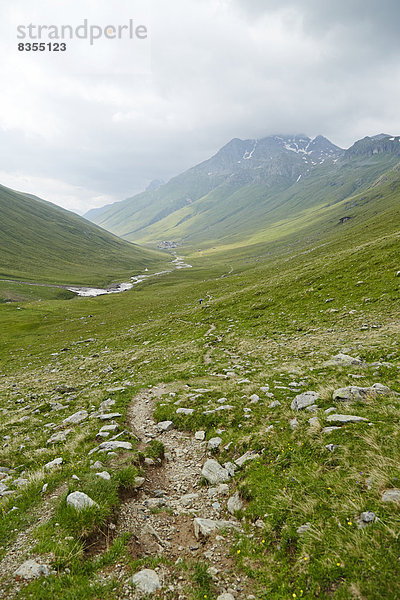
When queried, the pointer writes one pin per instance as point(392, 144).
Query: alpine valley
point(229, 427)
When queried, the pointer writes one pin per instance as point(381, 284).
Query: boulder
point(303, 400)
point(353, 393)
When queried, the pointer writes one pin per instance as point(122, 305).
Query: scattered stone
point(275, 404)
point(301, 401)
point(200, 436)
point(20, 482)
point(146, 581)
point(365, 519)
point(332, 447)
point(80, 501)
point(188, 499)
point(104, 475)
point(353, 393)
point(53, 464)
point(138, 482)
point(185, 411)
point(214, 443)
point(249, 455)
point(343, 360)
point(345, 419)
point(304, 528)
point(97, 465)
point(293, 424)
point(330, 429)
point(76, 418)
point(109, 446)
point(392, 495)
point(314, 422)
point(164, 426)
point(30, 569)
point(330, 410)
point(59, 437)
point(205, 527)
point(214, 472)
point(109, 416)
point(254, 399)
point(226, 596)
point(220, 490)
point(235, 503)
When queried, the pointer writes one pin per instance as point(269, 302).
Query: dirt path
point(162, 514)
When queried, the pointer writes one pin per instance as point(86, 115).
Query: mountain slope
point(256, 185)
point(43, 242)
point(273, 161)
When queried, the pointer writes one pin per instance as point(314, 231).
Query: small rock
point(214, 472)
point(301, 401)
point(61, 436)
point(314, 422)
point(104, 475)
point(146, 581)
point(214, 443)
point(254, 399)
point(200, 436)
point(235, 503)
point(303, 528)
point(392, 495)
point(343, 360)
point(345, 419)
point(80, 501)
point(249, 455)
point(97, 465)
point(275, 404)
point(220, 490)
point(138, 482)
point(293, 424)
point(30, 569)
point(164, 426)
point(332, 447)
point(330, 429)
point(76, 418)
point(185, 411)
point(53, 464)
point(109, 416)
point(365, 519)
point(205, 527)
point(109, 446)
point(226, 596)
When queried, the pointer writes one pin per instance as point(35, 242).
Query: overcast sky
point(97, 123)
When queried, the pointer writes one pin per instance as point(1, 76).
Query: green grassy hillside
point(42, 242)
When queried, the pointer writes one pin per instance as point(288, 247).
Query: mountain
point(43, 242)
point(248, 187)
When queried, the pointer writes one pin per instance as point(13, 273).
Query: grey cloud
point(220, 69)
